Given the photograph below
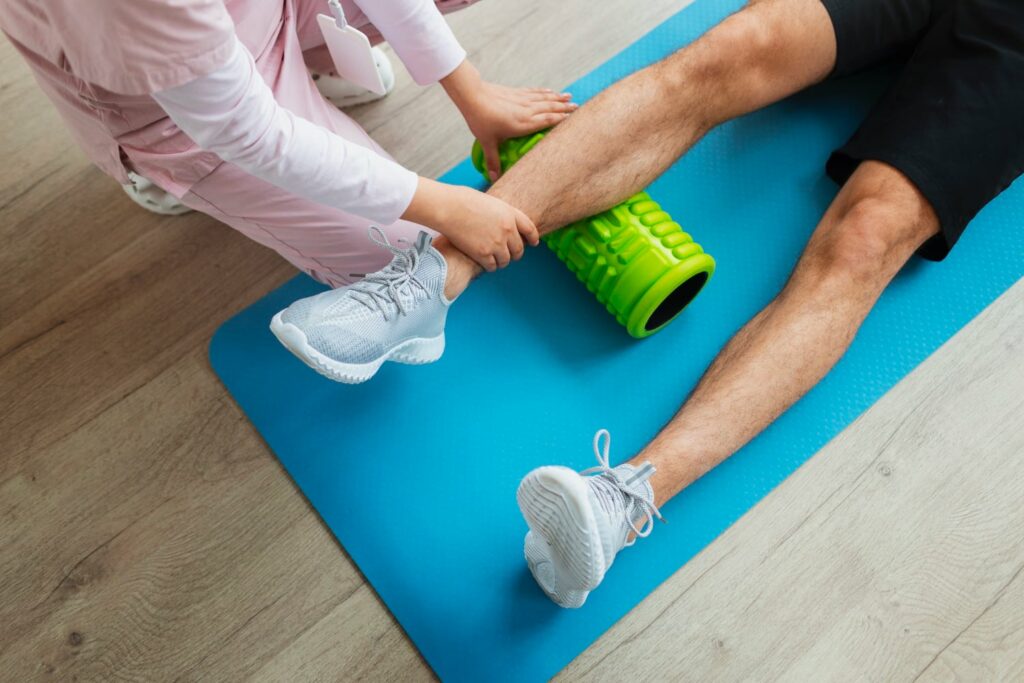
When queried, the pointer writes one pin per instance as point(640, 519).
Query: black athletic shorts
point(953, 120)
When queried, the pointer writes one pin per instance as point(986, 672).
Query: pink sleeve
point(231, 112)
point(419, 34)
point(139, 47)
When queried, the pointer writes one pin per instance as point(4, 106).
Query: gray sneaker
point(397, 313)
point(580, 521)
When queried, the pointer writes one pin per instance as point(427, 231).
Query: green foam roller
point(634, 258)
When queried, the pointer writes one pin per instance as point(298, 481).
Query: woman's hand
point(495, 113)
point(483, 227)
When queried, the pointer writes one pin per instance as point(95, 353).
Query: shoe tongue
point(620, 507)
point(430, 269)
point(426, 271)
point(423, 241)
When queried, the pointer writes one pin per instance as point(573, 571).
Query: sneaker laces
point(382, 290)
point(615, 493)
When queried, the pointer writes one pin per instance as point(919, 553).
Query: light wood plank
point(990, 647)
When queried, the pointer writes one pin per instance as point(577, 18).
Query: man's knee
point(734, 49)
point(859, 246)
point(751, 57)
point(872, 233)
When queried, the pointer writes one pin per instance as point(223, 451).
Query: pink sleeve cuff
point(429, 64)
point(419, 34)
point(393, 196)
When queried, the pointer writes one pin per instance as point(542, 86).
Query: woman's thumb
point(493, 159)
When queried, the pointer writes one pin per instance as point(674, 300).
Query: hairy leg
point(874, 225)
point(624, 138)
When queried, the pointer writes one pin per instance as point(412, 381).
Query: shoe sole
point(538, 559)
point(355, 100)
point(411, 352)
point(175, 209)
point(555, 503)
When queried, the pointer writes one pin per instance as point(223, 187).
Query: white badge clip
point(350, 50)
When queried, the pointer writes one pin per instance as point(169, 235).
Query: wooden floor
point(146, 533)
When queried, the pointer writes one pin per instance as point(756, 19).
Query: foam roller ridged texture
point(634, 258)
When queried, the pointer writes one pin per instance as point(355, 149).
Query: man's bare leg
point(624, 138)
point(871, 229)
point(578, 523)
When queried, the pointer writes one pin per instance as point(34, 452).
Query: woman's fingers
point(544, 115)
point(541, 121)
point(515, 246)
point(502, 257)
point(556, 106)
point(527, 229)
point(548, 97)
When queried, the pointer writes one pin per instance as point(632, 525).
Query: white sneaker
point(151, 197)
point(397, 313)
point(579, 523)
point(343, 94)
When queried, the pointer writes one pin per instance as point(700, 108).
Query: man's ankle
point(461, 269)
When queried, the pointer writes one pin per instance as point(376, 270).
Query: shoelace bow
point(613, 491)
point(380, 290)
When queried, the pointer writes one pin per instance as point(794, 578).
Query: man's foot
point(578, 523)
point(343, 94)
point(397, 313)
point(149, 196)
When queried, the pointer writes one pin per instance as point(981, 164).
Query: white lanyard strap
point(338, 12)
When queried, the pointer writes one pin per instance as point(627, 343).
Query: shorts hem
point(843, 162)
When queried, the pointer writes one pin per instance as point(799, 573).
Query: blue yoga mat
point(415, 472)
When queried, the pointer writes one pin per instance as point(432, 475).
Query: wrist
point(463, 85)
point(430, 205)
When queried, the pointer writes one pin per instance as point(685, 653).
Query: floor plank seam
point(995, 600)
point(657, 617)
